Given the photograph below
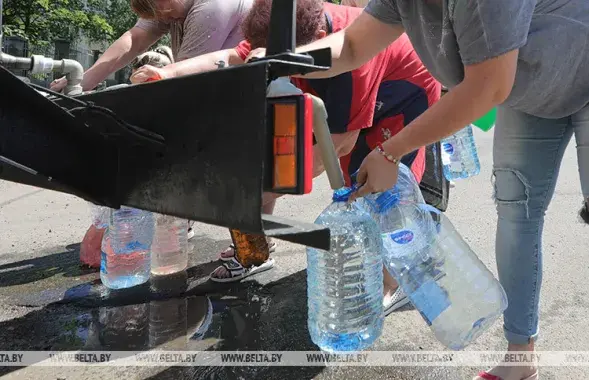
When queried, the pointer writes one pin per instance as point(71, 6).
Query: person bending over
point(365, 107)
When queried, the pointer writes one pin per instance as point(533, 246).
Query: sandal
point(271, 249)
point(398, 299)
point(190, 233)
point(237, 272)
point(484, 375)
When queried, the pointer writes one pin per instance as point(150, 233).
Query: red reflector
point(308, 146)
point(284, 146)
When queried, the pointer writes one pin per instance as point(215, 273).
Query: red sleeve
point(243, 49)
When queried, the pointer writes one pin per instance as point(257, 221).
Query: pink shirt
point(210, 25)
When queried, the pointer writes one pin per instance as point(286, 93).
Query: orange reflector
point(285, 171)
point(285, 120)
point(285, 148)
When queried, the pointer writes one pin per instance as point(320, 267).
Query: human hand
point(58, 84)
point(148, 73)
point(376, 174)
point(256, 53)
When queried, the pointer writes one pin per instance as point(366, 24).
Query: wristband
point(388, 157)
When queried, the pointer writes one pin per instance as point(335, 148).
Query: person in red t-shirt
point(365, 106)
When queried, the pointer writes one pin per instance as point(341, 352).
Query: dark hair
point(310, 20)
point(160, 57)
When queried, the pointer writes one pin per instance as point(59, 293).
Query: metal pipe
point(19, 63)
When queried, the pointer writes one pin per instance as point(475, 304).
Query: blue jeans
point(527, 153)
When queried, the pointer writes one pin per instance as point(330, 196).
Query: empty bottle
point(125, 260)
point(459, 155)
point(100, 216)
point(345, 285)
point(170, 245)
point(90, 246)
point(455, 293)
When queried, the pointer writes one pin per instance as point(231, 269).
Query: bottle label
point(103, 266)
point(402, 237)
point(401, 242)
point(430, 300)
point(447, 152)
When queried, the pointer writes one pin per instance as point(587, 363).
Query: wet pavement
point(48, 303)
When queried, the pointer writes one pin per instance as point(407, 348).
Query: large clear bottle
point(459, 155)
point(457, 296)
point(345, 284)
point(126, 246)
point(169, 250)
point(406, 191)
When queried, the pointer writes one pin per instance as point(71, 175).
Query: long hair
point(144, 8)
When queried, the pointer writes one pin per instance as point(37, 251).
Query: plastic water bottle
point(170, 245)
point(455, 293)
point(459, 155)
point(100, 216)
point(406, 191)
point(90, 246)
point(125, 260)
point(345, 285)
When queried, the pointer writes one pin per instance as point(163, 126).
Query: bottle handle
point(432, 210)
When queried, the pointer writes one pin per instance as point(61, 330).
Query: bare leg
point(268, 208)
point(515, 372)
point(268, 204)
point(390, 285)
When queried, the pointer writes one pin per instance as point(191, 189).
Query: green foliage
point(120, 17)
point(43, 21)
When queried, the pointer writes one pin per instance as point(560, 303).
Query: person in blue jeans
point(528, 58)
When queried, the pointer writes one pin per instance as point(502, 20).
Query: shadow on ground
point(247, 316)
point(64, 263)
point(87, 316)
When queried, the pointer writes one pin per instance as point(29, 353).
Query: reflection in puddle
point(163, 324)
point(246, 316)
point(124, 328)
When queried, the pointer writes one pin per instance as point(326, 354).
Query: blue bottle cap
point(343, 194)
point(386, 200)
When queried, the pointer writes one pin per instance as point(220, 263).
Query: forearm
point(203, 63)
point(342, 56)
point(117, 56)
point(454, 111)
point(355, 45)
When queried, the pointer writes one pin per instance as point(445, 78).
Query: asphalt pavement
point(39, 248)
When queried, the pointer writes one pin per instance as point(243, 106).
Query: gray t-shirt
point(210, 25)
point(552, 79)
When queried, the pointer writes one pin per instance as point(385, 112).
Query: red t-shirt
point(380, 97)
